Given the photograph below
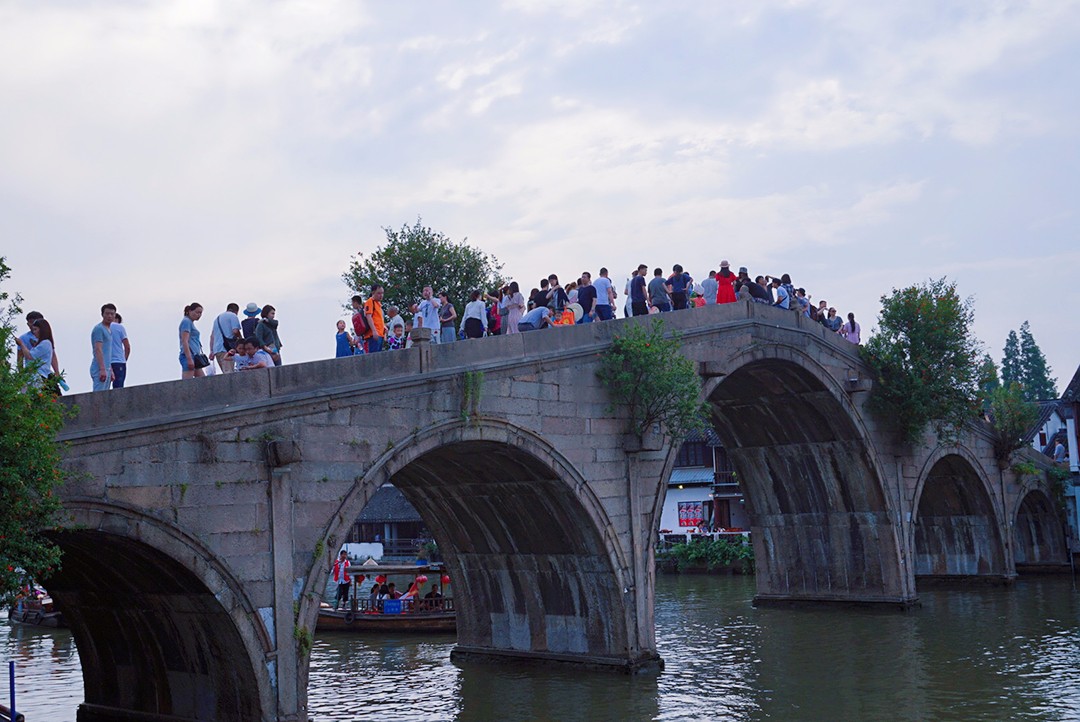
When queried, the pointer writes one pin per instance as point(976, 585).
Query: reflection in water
point(982, 654)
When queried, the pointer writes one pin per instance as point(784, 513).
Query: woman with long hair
point(515, 306)
point(190, 344)
point(851, 330)
point(447, 317)
point(725, 284)
point(474, 320)
point(42, 352)
point(267, 334)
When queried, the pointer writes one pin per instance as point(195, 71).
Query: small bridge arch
point(956, 519)
point(1038, 541)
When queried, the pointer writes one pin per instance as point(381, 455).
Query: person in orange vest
point(341, 576)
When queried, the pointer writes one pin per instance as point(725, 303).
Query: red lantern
point(360, 577)
point(381, 579)
point(420, 579)
point(445, 578)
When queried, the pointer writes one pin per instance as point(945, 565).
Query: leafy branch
point(646, 374)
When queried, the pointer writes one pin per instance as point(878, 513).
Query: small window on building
point(692, 453)
point(1042, 439)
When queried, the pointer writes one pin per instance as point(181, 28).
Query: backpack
point(360, 324)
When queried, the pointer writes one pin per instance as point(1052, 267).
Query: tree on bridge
point(926, 362)
point(30, 470)
point(416, 256)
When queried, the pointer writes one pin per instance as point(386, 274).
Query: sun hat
point(252, 309)
point(742, 269)
point(725, 264)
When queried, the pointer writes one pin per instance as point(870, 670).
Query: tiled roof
point(388, 504)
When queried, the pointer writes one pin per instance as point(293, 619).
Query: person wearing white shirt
point(474, 318)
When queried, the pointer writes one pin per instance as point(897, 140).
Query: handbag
point(200, 360)
point(228, 343)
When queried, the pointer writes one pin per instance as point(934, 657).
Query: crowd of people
point(253, 342)
point(584, 300)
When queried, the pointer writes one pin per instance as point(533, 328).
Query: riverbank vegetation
point(734, 554)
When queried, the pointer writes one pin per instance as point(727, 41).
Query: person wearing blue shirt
point(639, 301)
point(121, 350)
point(101, 349)
point(190, 344)
point(225, 336)
point(680, 281)
point(30, 340)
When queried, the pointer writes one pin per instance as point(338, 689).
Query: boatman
point(341, 576)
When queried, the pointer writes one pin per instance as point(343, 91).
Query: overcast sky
point(154, 154)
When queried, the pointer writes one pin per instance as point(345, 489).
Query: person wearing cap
point(725, 281)
point(252, 314)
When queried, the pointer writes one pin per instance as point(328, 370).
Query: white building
point(1058, 423)
point(703, 492)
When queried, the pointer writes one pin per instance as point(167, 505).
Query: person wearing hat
point(725, 281)
point(253, 313)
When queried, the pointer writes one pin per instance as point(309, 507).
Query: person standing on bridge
point(267, 334)
point(340, 573)
point(225, 337)
point(190, 344)
point(376, 331)
point(101, 347)
point(121, 350)
point(851, 330)
point(605, 297)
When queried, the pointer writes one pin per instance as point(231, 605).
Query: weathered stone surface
point(546, 517)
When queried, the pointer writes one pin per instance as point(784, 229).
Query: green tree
point(29, 461)
point(1035, 373)
point(1012, 417)
point(646, 374)
point(1011, 373)
point(416, 256)
point(925, 360)
point(988, 380)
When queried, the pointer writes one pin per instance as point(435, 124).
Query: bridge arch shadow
point(957, 534)
point(162, 631)
point(822, 525)
point(535, 566)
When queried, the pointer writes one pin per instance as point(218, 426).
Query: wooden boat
point(425, 616)
point(39, 612)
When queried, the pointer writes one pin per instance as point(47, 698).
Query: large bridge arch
point(957, 529)
point(823, 523)
point(162, 628)
point(535, 560)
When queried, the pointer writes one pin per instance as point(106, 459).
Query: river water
point(976, 654)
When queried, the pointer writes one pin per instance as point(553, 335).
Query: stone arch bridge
point(204, 515)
